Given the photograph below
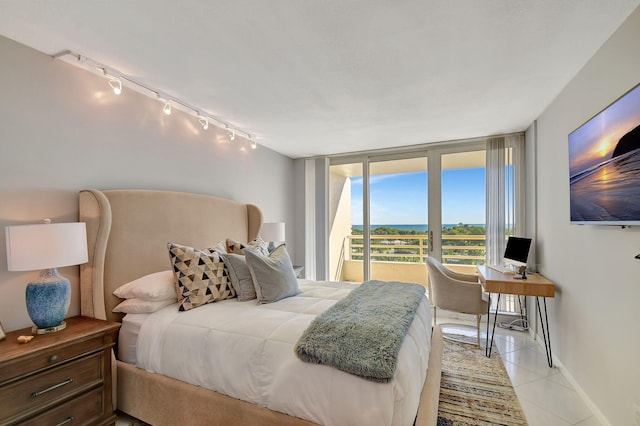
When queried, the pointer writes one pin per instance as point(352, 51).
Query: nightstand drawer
point(60, 382)
point(78, 411)
point(48, 358)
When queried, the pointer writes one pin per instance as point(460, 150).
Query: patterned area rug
point(476, 390)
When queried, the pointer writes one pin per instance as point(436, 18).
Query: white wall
point(62, 130)
point(595, 328)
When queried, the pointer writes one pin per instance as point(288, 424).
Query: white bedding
point(128, 336)
point(245, 350)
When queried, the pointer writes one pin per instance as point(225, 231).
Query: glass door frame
point(432, 154)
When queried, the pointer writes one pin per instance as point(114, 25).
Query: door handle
point(430, 241)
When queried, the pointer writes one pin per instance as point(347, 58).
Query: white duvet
point(245, 350)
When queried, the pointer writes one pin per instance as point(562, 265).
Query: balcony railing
point(460, 251)
point(456, 249)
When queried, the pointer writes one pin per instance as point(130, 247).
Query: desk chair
point(453, 291)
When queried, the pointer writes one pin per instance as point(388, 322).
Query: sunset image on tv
point(604, 165)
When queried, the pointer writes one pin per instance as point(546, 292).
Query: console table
point(535, 285)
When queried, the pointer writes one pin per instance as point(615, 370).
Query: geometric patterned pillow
point(200, 276)
point(237, 247)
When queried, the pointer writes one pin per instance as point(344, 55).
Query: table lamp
point(47, 247)
point(273, 233)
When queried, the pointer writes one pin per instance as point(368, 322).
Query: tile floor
point(546, 397)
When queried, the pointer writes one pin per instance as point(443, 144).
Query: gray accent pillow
point(239, 275)
point(273, 274)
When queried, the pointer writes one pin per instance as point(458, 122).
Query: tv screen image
point(604, 165)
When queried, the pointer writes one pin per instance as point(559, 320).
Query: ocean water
point(421, 227)
point(609, 191)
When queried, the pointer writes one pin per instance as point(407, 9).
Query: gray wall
point(595, 328)
point(62, 130)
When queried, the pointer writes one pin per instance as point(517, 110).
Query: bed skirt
point(160, 400)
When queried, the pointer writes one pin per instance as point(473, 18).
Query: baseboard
point(581, 393)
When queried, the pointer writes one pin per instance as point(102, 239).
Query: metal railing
point(468, 250)
point(456, 249)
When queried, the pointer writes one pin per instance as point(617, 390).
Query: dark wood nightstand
point(59, 378)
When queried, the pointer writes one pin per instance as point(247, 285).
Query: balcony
point(402, 258)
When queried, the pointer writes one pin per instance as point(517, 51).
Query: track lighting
point(167, 108)
point(232, 134)
point(116, 85)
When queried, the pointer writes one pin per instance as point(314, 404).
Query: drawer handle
point(53, 358)
point(67, 420)
point(49, 389)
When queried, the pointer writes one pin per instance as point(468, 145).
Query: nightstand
point(299, 270)
point(59, 378)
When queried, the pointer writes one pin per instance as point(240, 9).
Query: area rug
point(476, 390)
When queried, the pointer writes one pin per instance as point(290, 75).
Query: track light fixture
point(204, 122)
point(169, 101)
point(116, 85)
point(167, 108)
point(231, 133)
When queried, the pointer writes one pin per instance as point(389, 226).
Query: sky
point(402, 198)
point(594, 141)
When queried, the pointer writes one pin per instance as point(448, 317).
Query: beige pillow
point(237, 247)
point(139, 306)
point(273, 274)
point(152, 287)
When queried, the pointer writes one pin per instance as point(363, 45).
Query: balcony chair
point(453, 291)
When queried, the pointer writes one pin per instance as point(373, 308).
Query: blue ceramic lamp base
point(48, 301)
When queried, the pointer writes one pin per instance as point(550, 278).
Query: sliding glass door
point(463, 209)
point(387, 213)
point(398, 219)
point(378, 219)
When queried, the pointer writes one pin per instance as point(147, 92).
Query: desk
point(535, 285)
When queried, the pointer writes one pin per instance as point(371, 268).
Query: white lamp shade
point(45, 246)
point(273, 231)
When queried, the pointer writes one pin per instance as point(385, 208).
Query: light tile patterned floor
point(546, 397)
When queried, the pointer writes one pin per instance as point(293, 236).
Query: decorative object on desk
point(2, 333)
point(273, 233)
point(475, 389)
point(47, 247)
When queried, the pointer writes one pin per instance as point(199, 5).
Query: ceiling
point(334, 76)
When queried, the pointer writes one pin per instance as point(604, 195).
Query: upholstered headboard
point(128, 232)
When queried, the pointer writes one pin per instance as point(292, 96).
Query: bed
point(127, 232)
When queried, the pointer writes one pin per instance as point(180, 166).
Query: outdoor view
point(398, 209)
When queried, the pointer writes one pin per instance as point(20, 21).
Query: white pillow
point(152, 287)
point(139, 306)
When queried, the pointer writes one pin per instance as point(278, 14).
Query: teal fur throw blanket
point(362, 333)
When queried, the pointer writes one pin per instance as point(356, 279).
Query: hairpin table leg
point(545, 333)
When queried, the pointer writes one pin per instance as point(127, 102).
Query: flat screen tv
point(604, 165)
